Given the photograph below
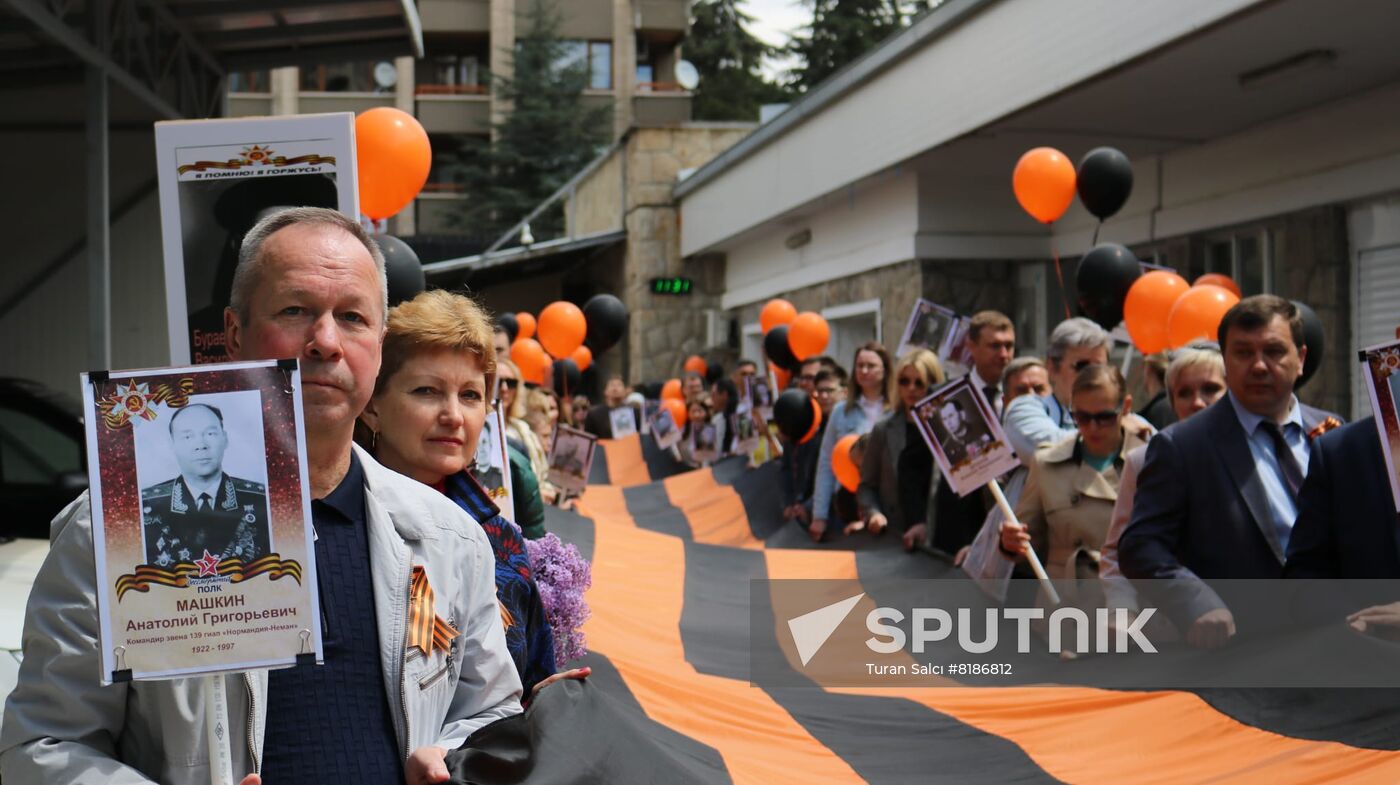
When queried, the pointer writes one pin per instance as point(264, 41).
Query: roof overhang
point(523, 260)
point(170, 57)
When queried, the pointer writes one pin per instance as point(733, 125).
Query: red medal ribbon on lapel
point(426, 630)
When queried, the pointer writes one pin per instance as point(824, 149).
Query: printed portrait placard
point(219, 177)
point(570, 457)
point(964, 435)
point(941, 331)
point(1380, 367)
point(491, 463)
point(201, 514)
point(664, 429)
point(624, 422)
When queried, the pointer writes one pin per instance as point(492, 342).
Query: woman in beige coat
point(1068, 500)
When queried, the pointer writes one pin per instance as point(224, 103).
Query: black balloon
point(607, 321)
point(1105, 275)
point(1104, 181)
point(775, 345)
point(713, 373)
point(794, 414)
point(1313, 338)
point(510, 324)
point(567, 378)
point(402, 269)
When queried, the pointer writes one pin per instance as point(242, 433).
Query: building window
point(453, 73)
point(1245, 254)
point(595, 56)
point(363, 77)
point(453, 155)
point(249, 82)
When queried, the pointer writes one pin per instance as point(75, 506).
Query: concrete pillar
point(502, 55)
point(286, 85)
point(405, 223)
point(624, 65)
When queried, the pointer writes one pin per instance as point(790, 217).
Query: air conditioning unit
point(716, 328)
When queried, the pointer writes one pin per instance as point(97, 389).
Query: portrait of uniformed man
point(204, 508)
point(958, 434)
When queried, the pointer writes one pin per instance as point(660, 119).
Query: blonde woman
point(898, 476)
point(425, 420)
point(513, 402)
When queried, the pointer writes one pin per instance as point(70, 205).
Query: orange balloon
point(562, 328)
point(677, 409)
point(529, 357)
point(696, 364)
point(774, 313)
point(1147, 307)
point(393, 157)
point(807, 335)
point(1044, 183)
point(1221, 280)
point(527, 325)
point(781, 376)
point(1197, 314)
point(582, 357)
point(672, 391)
point(816, 422)
point(847, 472)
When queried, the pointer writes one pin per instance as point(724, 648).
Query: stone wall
point(664, 330)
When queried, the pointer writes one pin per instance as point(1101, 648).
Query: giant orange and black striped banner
point(673, 555)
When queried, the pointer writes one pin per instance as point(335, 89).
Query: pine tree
point(548, 135)
point(729, 59)
point(843, 30)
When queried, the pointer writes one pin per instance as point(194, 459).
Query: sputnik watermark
point(1123, 631)
point(810, 631)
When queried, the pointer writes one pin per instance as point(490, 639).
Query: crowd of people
point(1223, 474)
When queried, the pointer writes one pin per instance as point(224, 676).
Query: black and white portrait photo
point(928, 327)
point(964, 435)
point(203, 481)
point(570, 458)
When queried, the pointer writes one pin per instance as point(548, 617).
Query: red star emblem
point(208, 566)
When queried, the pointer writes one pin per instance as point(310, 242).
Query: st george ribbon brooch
point(426, 630)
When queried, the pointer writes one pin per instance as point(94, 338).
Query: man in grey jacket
point(309, 284)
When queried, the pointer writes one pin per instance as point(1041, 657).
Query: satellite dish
point(386, 75)
point(686, 75)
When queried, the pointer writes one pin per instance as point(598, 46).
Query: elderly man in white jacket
point(310, 284)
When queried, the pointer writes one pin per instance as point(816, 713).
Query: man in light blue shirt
point(1281, 491)
point(1218, 493)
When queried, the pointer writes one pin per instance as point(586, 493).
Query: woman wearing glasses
point(898, 475)
point(1067, 503)
point(513, 404)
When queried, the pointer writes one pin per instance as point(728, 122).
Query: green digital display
point(676, 286)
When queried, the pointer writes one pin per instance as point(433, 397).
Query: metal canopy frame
point(151, 52)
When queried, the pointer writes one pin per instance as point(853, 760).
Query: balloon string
point(1096, 233)
point(1064, 293)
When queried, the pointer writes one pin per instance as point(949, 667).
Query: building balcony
point(249, 104)
point(455, 16)
point(664, 16)
point(454, 109)
point(652, 108)
point(316, 102)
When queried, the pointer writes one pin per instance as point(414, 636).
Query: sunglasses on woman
point(905, 381)
point(510, 383)
point(1095, 418)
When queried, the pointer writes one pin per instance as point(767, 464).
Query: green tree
point(843, 30)
point(547, 136)
point(729, 59)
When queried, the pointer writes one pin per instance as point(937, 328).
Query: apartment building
point(631, 48)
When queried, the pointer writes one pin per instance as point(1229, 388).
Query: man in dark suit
point(204, 511)
point(1347, 525)
point(1218, 493)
